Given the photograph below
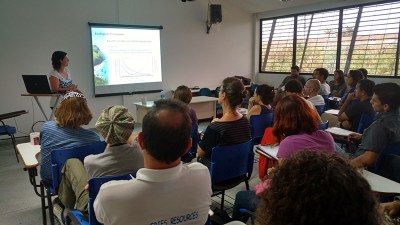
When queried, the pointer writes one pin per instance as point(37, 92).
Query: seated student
point(294, 75)
point(364, 73)
point(66, 132)
point(311, 90)
point(260, 103)
point(351, 81)
point(322, 74)
point(355, 105)
point(296, 129)
point(115, 124)
point(384, 130)
point(165, 191)
point(338, 84)
point(183, 93)
point(313, 189)
point(232, 128)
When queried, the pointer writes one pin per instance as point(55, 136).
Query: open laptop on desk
point(37, 84)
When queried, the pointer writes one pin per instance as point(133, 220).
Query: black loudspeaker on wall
point(215, 13)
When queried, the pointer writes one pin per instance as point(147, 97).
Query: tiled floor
point(19, 205)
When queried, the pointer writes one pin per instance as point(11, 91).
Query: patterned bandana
point(115, 124)
point(72, 94)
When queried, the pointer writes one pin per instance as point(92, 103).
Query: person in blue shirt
point(66, 131)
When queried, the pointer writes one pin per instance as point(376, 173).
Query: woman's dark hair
point(356, 75)
point(56, 58)
point(266, 93)
point(234, 90)
point(294, 116)
point(341, 76)
point(183, 94)
point(313, 188)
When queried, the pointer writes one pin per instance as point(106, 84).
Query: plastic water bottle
point(162, 95)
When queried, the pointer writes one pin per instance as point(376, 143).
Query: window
point(349, 38)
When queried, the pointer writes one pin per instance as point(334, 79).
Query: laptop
point(37, 84)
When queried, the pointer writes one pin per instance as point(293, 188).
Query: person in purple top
point(296, 128)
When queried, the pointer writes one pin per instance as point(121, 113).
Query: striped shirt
point(225, 133)
point(53, 137)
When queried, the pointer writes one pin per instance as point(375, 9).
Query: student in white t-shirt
point(165, 191)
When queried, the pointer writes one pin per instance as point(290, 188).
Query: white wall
point(32, 30)
point(276, 79)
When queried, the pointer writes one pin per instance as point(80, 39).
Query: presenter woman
point(60, 77)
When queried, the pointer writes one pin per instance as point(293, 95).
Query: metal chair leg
point(14, 145)
point(222, 200)
point(43, 201)
point(50, 207)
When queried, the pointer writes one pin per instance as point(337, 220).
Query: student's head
point(321, 74)
point(338, 75)
point(166, 131)
point(265, 93)
point(311, 188)
point(183, 94)
point(56, 59)
point(293, 116)
point(115, 124)
point(364, 88)
point(294, 87)
point(73, 111)
point(312, 87)
point(294, 70)
point(232, 92)
point(353, 77)
point(364, 72)
point(386, 97)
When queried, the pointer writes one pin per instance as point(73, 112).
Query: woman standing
point(60, 77)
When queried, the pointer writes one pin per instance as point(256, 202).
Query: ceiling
point(255, 6)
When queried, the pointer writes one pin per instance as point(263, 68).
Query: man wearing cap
point(165, 191)
point(120, 157)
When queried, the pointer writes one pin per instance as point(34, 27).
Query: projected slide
point(126, 59)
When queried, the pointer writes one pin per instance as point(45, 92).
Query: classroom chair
point(324, 125)
point(216, 94)
point(10, 131)
point(205, 92)
point(76, 216)
point(229, 166)
point(366, 120)
point(379, 165)
point(191, 154)
point(258, 123)
point(320, 109)
point(58, 159)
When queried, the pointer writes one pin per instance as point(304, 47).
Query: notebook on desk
point(37, 84)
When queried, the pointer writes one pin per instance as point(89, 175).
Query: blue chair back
point(191, 154)
point(205, 92)
point(391, 167)
point(94, 187)
point(232, 161)
point(365, 121)
point(59, 157)
point(258, 124)
point(391, 149)
point(216, 94)
point(320, 109)
point(324, 125)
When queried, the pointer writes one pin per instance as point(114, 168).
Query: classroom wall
point(33, 29)
point(276, 79)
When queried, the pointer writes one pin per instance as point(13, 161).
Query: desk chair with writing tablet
point(258, 123)
point(10, 130)
point(229, 166)
point(58, 159)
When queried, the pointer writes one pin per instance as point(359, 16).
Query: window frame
point(339, 38)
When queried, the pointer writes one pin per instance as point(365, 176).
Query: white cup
point(143, 100)
point(34, 138)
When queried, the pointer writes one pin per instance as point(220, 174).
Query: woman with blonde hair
point(66, 131)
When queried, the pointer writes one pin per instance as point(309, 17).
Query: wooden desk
point(204, 106)
point(35, 96)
